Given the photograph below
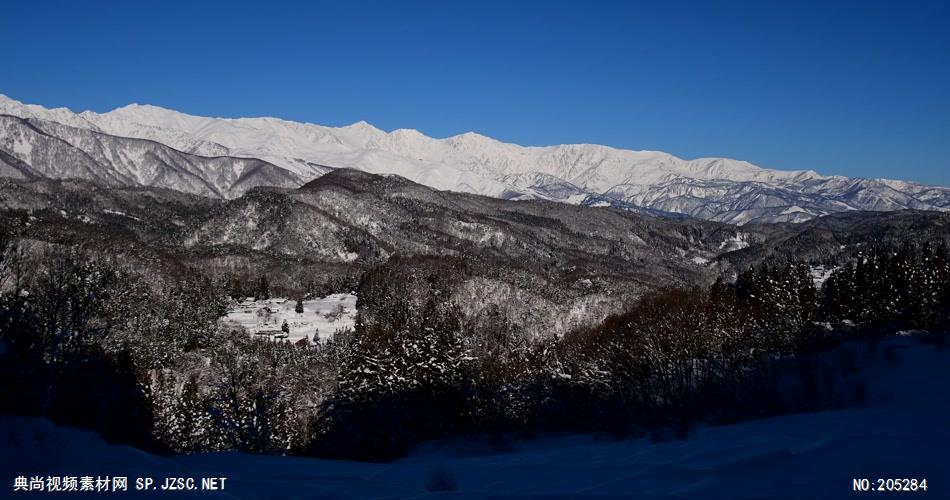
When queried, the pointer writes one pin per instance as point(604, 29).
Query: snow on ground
point(576, 199)
point(820, 274)
point(320, 317)
point(121, 214)
point(795, 209)
point(737, 242)
point(903, 432)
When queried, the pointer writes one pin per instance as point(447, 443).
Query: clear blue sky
point(855, 88)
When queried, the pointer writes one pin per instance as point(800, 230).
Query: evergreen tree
point(262, 290)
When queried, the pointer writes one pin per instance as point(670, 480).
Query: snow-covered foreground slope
point(903, 432)
point(712, 188)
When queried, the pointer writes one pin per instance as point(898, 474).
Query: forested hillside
point(475, 315)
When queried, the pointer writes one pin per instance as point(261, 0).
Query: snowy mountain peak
point(408, 133)
point(712, 188)
point(7, 100)
point(472, 136)
point(474, 139)
point(364, 126)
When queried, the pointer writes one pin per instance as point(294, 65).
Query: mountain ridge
point(719, 189)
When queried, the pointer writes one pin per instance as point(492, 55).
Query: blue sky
point(854, 88)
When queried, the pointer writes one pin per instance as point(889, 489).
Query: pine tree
point(262, 291)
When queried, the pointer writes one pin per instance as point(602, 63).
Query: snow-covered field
point(320, 317)
point(903, 432)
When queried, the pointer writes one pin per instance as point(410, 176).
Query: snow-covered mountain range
point(153, 146)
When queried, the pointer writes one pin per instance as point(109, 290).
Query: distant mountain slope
point(31, 148)
point(710, 188)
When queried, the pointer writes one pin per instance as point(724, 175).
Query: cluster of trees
point(754, 347)
point(274, 281)
point(53, 358)
point(243, 286)
point(143, 358)
point(886, 289)
point(674, 357)
point(244, 394)
point(396, 387)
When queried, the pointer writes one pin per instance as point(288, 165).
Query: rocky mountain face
point(152, 146)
